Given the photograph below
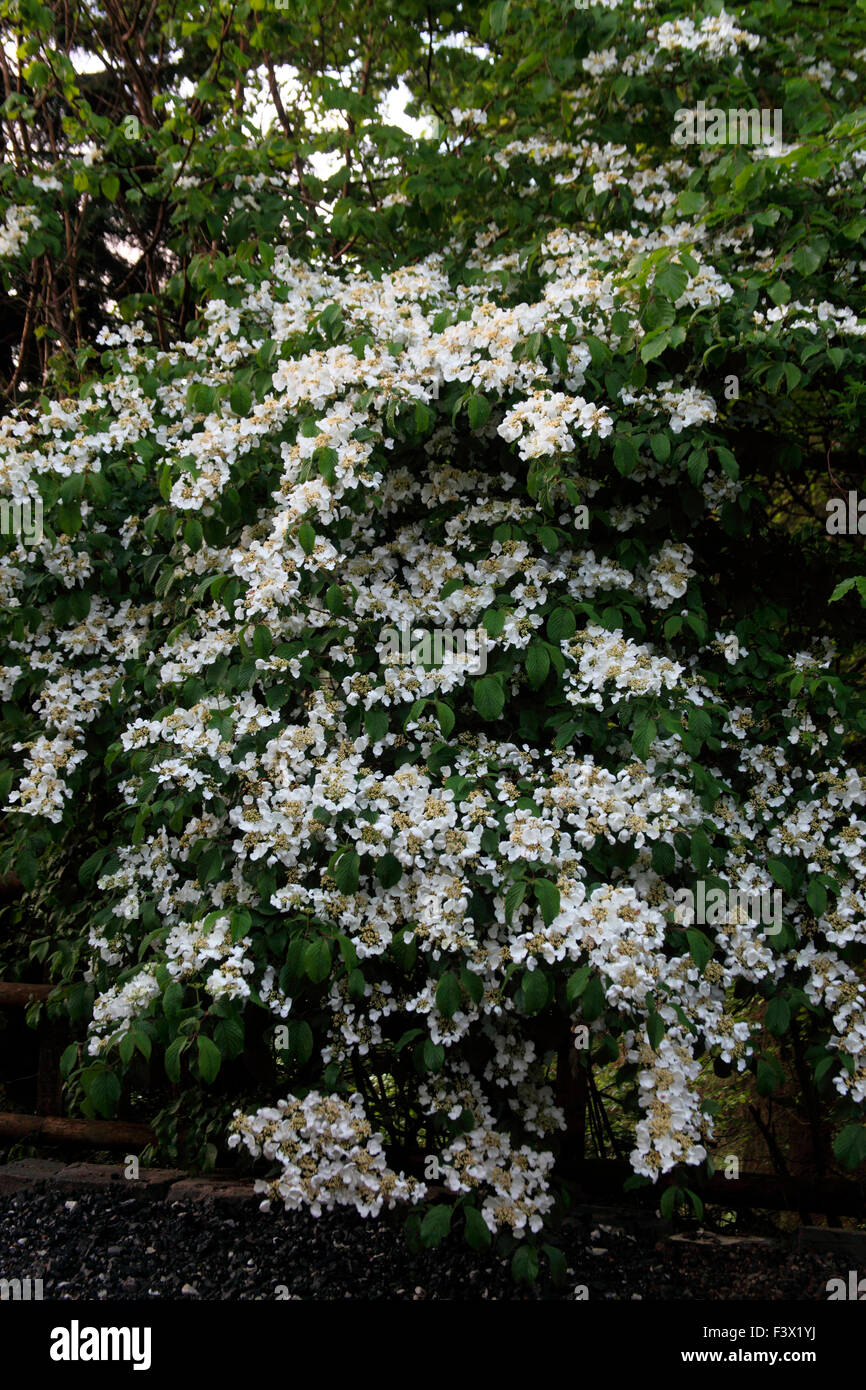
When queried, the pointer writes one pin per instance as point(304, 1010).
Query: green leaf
point(700, 850)
point(537, 664)
point(476, 1231)
point(317, 960)
point(655, 1029)
point(473, 984)
point(806, 259)
point(306, 538)
point(654, 345)
point(668, 1203)
point(625, 455)
point(172, 1058)
point(210, 865)
point(479, 411)
point(103, 1092)
point(781, 873)
point(209, 1058)
point(535, 990)
point(558, 1266)
point(357, 985)
point(778, 1016)
point(172, 1001)
point(671, 280)
point(433, 1055)
point(448, 995)
point(514, 897)
point(769, 1076)
point(561, 625)
point(389, 870)
point(644, 737)
point(376, 724)
point(240, 399)
point(849, 1146)
point(592, 1000)
point(27, 868)
point(697, 465)
point(816, 897)
point(577, 983)
point(229, 1037)
point(700, 947)
point(663, 858)
point(436, 1225)
point(524, 1265)
point(346, 871)
point(547, 897)
point(488, 697)
point(446, 717)
point(301, 1042)
point(661, 447)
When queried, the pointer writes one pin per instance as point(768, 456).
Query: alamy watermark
point(77, 1343)
point(854, 1291)
point(20, 1290)
point(741, 126)
point(846, 518)
point(716, 906)
point(417, 647)
point(22, 516)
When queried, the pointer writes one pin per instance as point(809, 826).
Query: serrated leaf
point(577, 983)
point(346, 871)
point(209, 1058)
point(643, 738)
point(317, 960)
point(514, 897)
point(781, 874)
point(700, 947)
point(240, 399)
point(103, 1092)
point(535, 990)
point(436, 1225)
point(816, 897)
point(849, 1146)
point(478, 411)
point(488, 697)
point(524, 1265)
point(433, 1055)
point(537, 664)
point(778, 1016)
point(306, 538)
point(446, 717)
point(389, 870)
point(547, 897)
point(476, 1231)
point(172, 1058)
point(561, 625)
point(671, 280)
point(448, 995)
point(655, 1029)
point(376, 724)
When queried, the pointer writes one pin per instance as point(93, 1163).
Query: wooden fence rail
point(594, 1179)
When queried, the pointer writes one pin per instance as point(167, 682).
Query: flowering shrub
point(428, 881)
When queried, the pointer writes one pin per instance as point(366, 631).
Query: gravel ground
point(101, 1245)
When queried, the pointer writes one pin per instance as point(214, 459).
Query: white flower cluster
point(17, 227)
point(328, 1153)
